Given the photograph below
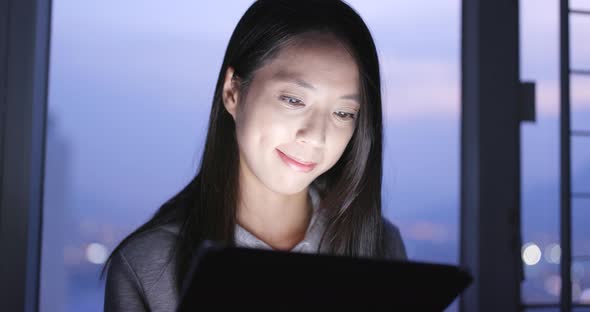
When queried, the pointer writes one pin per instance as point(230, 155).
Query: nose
point(314, 131)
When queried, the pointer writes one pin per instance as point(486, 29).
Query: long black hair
point(350, 191)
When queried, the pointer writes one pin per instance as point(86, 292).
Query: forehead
point(323, 62)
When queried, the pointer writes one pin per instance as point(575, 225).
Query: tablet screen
point(238, 278)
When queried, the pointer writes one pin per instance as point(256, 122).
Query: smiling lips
point(296, 165)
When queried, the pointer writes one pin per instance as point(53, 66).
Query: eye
point(291, 100)
point(345, 116)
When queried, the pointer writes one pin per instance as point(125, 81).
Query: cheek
point(261, 128)
point(335, 148)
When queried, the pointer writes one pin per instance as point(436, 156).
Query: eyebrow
point(295, 78)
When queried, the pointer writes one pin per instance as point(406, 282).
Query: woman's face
point(300, 106)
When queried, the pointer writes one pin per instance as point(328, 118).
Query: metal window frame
point(565, 189)
point(492, 111)
point(24, 61)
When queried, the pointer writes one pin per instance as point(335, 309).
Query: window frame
point(491, 109)
point(24, 61)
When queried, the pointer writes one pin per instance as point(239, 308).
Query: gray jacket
point(141, 275)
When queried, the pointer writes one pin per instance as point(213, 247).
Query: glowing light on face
point(298, 115)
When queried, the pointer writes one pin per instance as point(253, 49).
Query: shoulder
point(149, 252)
point(151, 243)
point(142, 269)
point(393, 243)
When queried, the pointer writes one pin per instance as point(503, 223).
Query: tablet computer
point(224, 278)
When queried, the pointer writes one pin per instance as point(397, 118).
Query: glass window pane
point(131, 85)
point(419, 123)
point(540, 153)
point(130, 92)
point(580, 100)
point(581, 165)
point(580, 231)
point(580, 4)
point(579, 34)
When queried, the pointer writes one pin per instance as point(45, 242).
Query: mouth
point(296, 164)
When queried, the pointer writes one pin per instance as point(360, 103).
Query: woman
point(292, 159)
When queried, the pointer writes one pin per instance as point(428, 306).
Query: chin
point(289, 188)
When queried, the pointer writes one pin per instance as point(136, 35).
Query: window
point(540, 154)
point(131, 85)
